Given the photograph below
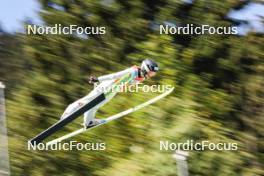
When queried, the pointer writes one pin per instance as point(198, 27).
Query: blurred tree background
point(218, 80)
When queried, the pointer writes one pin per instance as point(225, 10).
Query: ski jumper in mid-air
point(132, 75)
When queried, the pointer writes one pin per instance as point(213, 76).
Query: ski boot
point(92, 123)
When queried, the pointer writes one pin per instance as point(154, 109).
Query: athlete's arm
point(114, 75)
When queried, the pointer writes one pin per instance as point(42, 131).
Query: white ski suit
point(127, 76)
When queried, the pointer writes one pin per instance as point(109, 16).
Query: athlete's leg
point(70, 109)
point(79, 103)
point(89, 117)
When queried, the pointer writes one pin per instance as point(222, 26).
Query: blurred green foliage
point(219, 91)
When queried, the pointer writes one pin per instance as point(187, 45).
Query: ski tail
point(57, 126)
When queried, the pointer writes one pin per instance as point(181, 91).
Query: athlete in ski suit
point(132, 75)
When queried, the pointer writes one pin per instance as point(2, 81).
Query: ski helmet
point(149, 65)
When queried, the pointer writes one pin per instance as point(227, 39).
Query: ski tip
point(169, 90)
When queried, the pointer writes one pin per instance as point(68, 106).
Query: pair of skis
point(103, 121)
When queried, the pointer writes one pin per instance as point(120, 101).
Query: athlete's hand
point(93, 79)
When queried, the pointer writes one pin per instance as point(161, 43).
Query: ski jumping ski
point(111, 118)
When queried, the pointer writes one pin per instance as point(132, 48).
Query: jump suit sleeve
point(114, 75)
